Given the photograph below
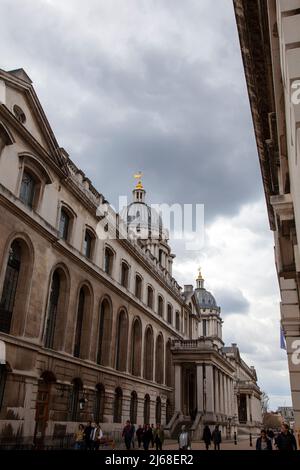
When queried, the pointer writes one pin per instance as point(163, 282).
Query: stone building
point(269, 34)
point(95, 327)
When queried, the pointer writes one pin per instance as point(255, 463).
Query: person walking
point(79, 437)
point(285, 439)
point(158, 437)
point(184, 439)
point(216, 438)
point(207, 437)
point(127, 434)
point(139, 435)
point(133, 433)
point(263, 442)
point(96, 436)
point(87, 435)
point(152, 437)
point(147, 436)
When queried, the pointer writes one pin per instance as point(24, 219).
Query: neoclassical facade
point(95, 327)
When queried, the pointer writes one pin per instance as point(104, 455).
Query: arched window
point(150, 297)
point(169, 365)
point(160, 309)
point(138, 286)
point(158, 410)
point(170, 314)
point(56, 311)
point(104, 333)
point(148, 354)
point(122, 341)
point(79, 323)
point(124, 274)
point(108, 260)
point(147, 409)
point(76, 390)
point(118, 405)
point(3, 376)
point(169, 413)
point(89, 244)
point(136, 347)
point(159, 359)
point(177, 321)
point(83, 326)
point(52, 310)
point(10, 286)
point(133, 407)
point(28, 190)
point(99, 403)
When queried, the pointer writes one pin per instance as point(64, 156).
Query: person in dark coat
point(207, 437)
point(216, 438)
point(139, 435)
point(127, 434)
point(285, 439)
point(88, 435)
point(147, 436)
point(263, 442)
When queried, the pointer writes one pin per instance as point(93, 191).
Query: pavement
point(242, 444)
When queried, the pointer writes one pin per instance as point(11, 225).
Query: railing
point(110, 439)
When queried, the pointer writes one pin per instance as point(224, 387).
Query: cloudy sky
point(158, 86)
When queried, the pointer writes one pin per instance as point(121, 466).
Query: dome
point(205, 299)
point(142, 220)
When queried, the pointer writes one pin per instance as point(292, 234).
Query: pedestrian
point(79, 437)
point(127, 434)
point(96, 436)
point(184, 439)
point(285, 439)
point(133, 433)
point(87, 435)
point(147, 436)
point(270, 434)
point(159, 436)
point(263, 442)
point(139, 435)
point(152, 438)
point(207, 437)
point(216, 438)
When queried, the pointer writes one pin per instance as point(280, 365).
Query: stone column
point(178, 385)
point(225, 395)
point(200, 402)
point(248, 407)
point(217, 392)
point(220, 392)
point(209, 389)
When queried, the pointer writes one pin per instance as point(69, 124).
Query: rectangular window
point(27, 190)
point(87, 246)
point(64, 224)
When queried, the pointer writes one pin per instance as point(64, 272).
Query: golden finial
point(138, 176)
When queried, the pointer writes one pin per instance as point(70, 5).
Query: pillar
point(178, 393)
point(200, 384)
point(217, 392)
point(209, 389)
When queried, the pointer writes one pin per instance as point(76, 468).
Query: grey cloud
point(231, 300)
point(184, 121)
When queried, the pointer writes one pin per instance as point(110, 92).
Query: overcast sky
point(158, 86)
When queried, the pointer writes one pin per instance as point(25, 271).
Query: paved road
point(243, 444)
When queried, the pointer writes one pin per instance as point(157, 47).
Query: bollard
point(250, 440)
point(235, 441)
